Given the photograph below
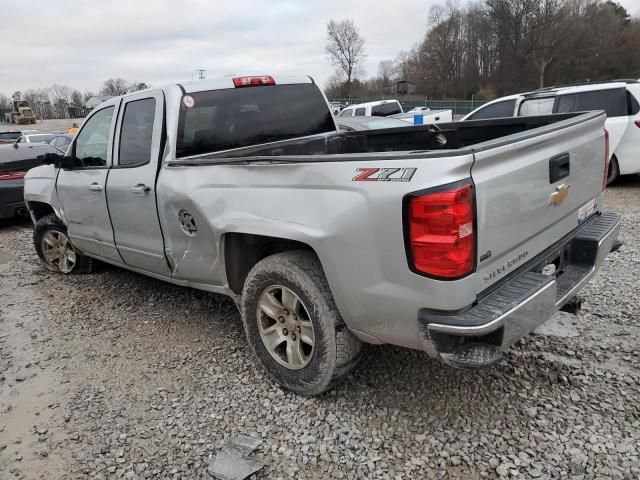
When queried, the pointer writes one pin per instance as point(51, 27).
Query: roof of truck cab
point(227, 82)
point(210, 84)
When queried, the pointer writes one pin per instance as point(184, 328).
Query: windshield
point(238, 117)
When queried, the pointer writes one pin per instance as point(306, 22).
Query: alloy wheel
point(285, 327)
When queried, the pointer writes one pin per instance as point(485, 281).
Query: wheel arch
point(241, 252)
point(39, 210)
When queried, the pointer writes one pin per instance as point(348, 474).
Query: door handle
point(559, 167)
point(95, 187)
point(140, 189)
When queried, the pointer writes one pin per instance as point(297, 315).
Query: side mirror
point(15, 145)
point(57, 160)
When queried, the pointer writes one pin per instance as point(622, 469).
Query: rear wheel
point(55, 249)
point(293, 325)
point(614, 170)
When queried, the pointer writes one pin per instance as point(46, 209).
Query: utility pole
point(200, 73)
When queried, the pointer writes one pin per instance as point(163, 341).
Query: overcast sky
point(81, 43)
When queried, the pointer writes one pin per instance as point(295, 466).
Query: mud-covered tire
point(336, 350)
point(51, 224)
point(614, 170)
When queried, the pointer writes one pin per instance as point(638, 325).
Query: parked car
point(61, 142)
point(619, 99)
point(326, 239)
point(9, 137)
point(353, 124)
point(15, 160)
point(381, 108)
point(35, 138)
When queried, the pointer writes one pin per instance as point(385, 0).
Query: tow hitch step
point(473, 355)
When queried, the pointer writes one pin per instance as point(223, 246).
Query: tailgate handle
point(559, 167)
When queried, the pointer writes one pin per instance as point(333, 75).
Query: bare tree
point(549, 28)
point(60, 94)
point(4, 101)
point(137, 86)
point(87, 95)
point(490, 48)
point(76, 98)
point(36, 97)
point(345, 48)
point(386, 71)
point(114, 87)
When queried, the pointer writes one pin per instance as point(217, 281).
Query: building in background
point(401, 87)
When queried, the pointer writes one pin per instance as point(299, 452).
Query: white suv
point(620, 99)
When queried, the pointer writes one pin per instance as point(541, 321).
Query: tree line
point(496, 47)
point(59, 97)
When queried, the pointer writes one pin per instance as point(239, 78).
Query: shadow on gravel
point(626, 181)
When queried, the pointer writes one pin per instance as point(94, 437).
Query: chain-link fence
point(459, 107)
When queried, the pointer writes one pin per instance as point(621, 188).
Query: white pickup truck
point(456, 241)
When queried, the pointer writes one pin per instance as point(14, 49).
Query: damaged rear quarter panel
point(355, 228)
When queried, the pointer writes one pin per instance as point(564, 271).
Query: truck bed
point(445, 139)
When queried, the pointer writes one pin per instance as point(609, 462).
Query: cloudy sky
point(80, 43)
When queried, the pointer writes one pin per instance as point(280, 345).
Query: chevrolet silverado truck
point(457, 240)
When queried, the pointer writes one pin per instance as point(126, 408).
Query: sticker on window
point(188, 101)
point(585, 211)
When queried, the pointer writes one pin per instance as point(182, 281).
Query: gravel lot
point(115, 375)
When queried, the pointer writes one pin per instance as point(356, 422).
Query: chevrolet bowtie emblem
point(557, 197)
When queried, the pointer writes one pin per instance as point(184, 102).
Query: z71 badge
point(384, 174)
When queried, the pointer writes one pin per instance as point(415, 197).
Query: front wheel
point(55, 249)
point(293, 325)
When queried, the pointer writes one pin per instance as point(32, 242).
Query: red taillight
point(12, 175)
point(253, 81)
point(606, 159)
point(441, 232)
point(637, 122)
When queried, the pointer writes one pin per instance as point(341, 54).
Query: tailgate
point(534, 188)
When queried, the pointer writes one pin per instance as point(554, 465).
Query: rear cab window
point(613, 101)
point(360, 112)
point(386, 109)
point(495, 110)
point(239, 117)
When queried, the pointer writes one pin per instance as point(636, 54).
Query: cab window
point(346, 113)
point(136, 132)
point(536, 106)
point(613, 101)
point(495, 110)
point(92, 143)
point(360, 112)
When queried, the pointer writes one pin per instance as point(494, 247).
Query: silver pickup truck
point(456, 240)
